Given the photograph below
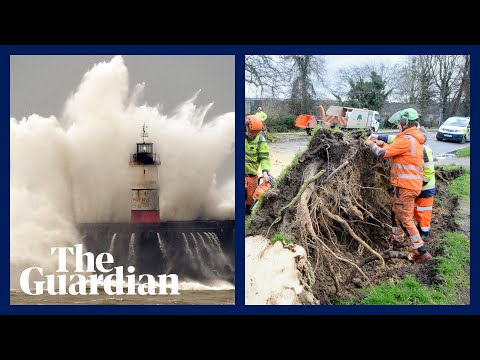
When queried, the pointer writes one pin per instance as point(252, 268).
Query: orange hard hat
point(253, 125)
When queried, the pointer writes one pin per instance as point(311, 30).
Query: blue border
point(239, 51)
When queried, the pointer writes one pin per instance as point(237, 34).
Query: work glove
point(265, 175)
point(379, 143)
point(373, 137)
point(368, 142)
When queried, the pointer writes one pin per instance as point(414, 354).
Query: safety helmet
point(253, 125)
point(403, 116)
point(259, 108)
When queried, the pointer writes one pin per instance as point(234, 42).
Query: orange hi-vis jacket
point(407, 158)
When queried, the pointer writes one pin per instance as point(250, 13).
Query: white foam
point(76, 168)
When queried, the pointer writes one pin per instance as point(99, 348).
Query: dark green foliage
point(281, 123)
point(368, 94)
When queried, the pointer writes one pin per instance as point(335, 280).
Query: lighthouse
point(145, 206)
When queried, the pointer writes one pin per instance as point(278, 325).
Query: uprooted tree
point(336, 204)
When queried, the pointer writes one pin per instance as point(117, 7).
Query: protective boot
point(420, 257)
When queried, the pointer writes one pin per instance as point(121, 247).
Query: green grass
point(284, 238)
point(450, 167)
point(248, 221)
point(336, 129)
point(460, 187)
point(406, 292)
point(465, 152)
point(452, 265)
point(315, 130)
point(451, 268)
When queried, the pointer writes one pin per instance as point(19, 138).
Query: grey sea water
point(186, 297)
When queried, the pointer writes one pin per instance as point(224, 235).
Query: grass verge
point(451, 268)
point(460, 187)
point(465, 152)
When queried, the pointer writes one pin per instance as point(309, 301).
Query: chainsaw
point(263, 187)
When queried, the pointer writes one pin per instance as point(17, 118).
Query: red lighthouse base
point(145, 216)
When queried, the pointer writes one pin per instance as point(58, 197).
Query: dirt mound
point(336, 204)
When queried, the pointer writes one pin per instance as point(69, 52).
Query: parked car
point(455, 128)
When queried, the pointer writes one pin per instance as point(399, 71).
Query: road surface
point(286, 145)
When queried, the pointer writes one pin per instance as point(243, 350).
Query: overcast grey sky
point(41, 83)
point(335, 62)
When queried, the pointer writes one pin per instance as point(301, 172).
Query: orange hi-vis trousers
point(423, 212)
point(251, 183)
point(403, 208)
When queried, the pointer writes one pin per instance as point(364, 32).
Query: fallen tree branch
point(352, 233)
point(387, 254)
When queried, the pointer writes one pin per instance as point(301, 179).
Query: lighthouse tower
point(145, 190)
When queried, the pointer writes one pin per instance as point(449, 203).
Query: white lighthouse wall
point(145, 200)
point(144, 176)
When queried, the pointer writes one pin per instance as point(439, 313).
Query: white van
point(455, 128)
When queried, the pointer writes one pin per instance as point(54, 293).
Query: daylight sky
point(334, 62)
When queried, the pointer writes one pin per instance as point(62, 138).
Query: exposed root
point(388, 254)
point(295, 199)
point(351, 232)
point(325, 247)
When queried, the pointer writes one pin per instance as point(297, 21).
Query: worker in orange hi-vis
point(406, 176)
point(424, 201)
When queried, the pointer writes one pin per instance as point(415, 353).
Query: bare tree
point(306, 69)
point(425, 77)
point(447, 79)
point(442, 79)
point(267, 75)
point(462, 88)
point(407, 89)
